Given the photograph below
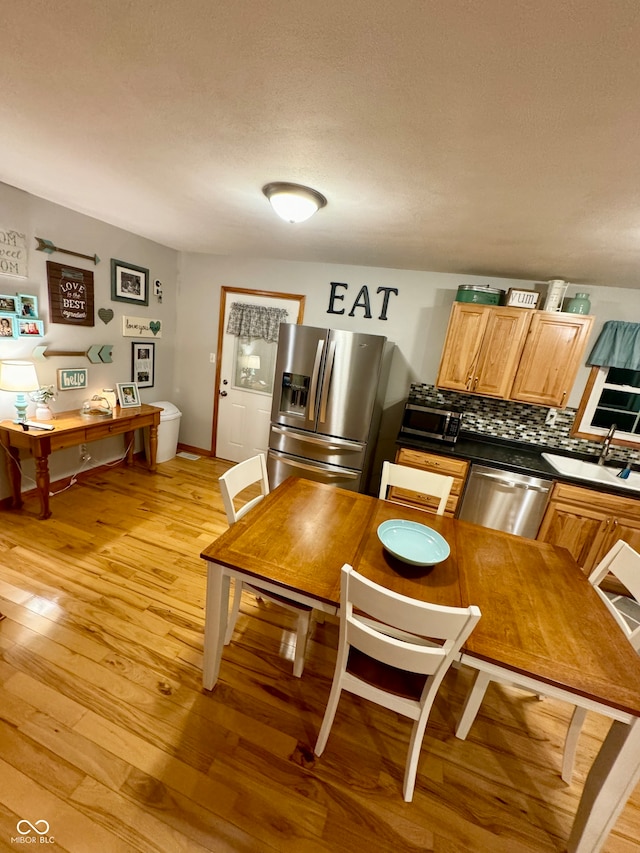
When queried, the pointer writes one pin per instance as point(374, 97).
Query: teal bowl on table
point(413, 543)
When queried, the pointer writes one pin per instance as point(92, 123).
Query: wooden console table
point(71, 429)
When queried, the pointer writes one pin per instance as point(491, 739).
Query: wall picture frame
point(128, 395)
point(143, 358)
point(28, 328)
point(8, 325)
point(9, 304)
point(70, 295)
point(129, 283)
point(28, 306)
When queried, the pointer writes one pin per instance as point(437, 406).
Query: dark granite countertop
point(512, 456)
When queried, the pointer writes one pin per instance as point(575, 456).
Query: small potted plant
point(41, 398)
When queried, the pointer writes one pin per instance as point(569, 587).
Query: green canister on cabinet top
point(579, 304)
point(484, 295)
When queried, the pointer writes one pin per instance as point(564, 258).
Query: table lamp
point(249, 364)
point(20, 377)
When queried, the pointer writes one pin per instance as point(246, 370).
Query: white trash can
point(167, 431)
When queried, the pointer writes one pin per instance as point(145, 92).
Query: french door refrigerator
point(327, 401)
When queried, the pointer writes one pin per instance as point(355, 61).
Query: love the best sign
point(70, 294)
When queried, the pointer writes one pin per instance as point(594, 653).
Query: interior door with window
point(246, 366)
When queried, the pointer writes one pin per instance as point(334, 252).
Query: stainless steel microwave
point(430, 422)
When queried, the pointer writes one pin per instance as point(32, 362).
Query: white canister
point(110, 396)
point(556, 289)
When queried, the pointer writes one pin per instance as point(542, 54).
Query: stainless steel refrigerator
point(327, 401)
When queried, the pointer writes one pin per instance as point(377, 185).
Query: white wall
point(417, 321)
point(417, 316)
point(36, 217)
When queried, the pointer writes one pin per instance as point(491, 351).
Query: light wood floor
point(106, 733)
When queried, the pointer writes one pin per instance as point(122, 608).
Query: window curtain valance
point(255, 321)
point(617, 346)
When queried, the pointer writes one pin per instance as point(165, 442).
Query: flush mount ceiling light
point(293, 202)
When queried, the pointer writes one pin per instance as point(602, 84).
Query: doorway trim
point(267, 294)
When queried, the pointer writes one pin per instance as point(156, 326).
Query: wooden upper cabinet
point(467, 325)
point(482, 348)
point(513, 353)
point(551, 357)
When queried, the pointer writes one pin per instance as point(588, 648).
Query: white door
point(246, 384)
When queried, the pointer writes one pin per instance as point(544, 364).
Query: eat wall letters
point(362, 300)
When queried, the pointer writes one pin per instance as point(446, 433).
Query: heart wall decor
point(154, 325)
point(105, 314)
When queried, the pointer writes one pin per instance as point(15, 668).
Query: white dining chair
point(233, 482)
point(623, 563)
point(426, 483)
point(394, 651)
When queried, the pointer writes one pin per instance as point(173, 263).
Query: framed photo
point(30, 328)
point(143, 358)
point(28, 306)
point(128, 395)
point(9, 304)
point(129, 283)
point(8, 325)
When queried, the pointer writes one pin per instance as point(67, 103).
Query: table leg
point(609, 785)
point(15, 476)
point(43, 484)
point(129, 440)
point(153, 446)
point(472, 704)
point(215, 622)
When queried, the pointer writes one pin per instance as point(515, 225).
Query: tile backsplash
point(515, 421)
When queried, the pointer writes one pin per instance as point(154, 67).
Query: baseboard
point(189, 448)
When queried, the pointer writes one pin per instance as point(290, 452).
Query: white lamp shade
point(293, 202)
point(18, 376)
point(293, 208)
point(253, 362)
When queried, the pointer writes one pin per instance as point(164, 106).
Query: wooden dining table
point(543, 625)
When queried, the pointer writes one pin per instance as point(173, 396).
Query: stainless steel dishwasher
point(505, 500)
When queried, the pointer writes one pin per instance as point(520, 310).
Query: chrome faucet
point(606, 444)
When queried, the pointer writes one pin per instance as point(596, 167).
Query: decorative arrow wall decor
point(48, 247)
point(99, 353)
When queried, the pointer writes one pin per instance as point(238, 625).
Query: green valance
point(617, 346)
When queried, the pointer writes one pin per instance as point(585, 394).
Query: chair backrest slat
point(623, 563)
point(409, 634)
point(240, 477)
point(416, 480)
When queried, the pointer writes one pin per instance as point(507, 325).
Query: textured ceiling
point(498, 137)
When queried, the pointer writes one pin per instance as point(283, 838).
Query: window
point(612, 396)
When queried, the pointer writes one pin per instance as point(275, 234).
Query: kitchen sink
point(592, 472)
point(632, 482)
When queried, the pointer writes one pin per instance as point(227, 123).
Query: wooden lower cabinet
point(456, 468)
point(587, 523)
